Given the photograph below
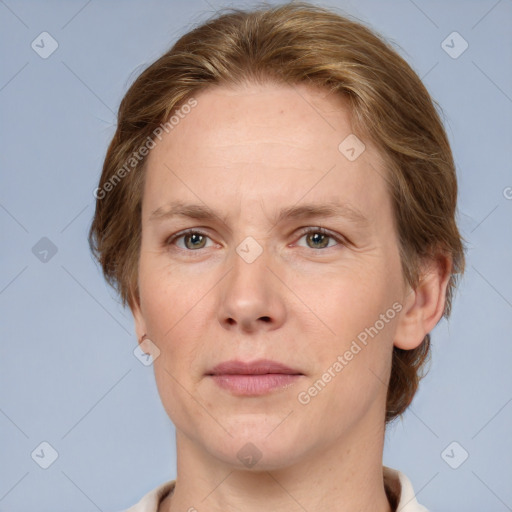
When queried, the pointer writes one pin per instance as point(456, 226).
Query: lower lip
point(254, 384)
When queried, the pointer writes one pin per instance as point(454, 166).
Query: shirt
point(398, 488)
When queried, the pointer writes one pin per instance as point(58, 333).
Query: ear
point(140, 323)
point(424, 305)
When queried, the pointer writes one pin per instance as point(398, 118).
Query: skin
point(247, 152)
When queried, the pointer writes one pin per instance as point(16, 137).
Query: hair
point(291, 44)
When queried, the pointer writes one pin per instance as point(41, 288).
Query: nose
point(251, 296)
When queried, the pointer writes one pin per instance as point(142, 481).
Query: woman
point(277, 208)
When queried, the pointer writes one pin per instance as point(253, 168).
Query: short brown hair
point(295, 43)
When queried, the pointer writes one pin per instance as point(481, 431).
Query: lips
point(256, 378)
point(259, 367)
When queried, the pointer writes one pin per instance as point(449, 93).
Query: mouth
point(255, 378)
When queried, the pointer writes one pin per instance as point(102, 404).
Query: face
point(264, 239)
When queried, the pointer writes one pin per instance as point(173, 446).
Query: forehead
point(301, 117)
point(263, 143)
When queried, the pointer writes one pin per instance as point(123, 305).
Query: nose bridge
point(249, 275)
point(250, 295)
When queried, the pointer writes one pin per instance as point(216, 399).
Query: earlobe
point(424, 306)
point(140, 324)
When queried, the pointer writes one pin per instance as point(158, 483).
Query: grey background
point(68, 375)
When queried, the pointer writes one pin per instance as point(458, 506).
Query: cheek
point(343, 303)
point(171, 304)
point(177, 308)
point(167, 305)
point(166, 295)
point(357, 323)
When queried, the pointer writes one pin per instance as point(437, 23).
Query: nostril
point(265, 318)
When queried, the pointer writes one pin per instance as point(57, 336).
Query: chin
point(254, 448)
point(256, 456)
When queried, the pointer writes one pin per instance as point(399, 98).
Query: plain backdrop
point(68, 373)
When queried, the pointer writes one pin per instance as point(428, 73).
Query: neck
point(344, 477)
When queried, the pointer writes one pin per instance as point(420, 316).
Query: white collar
point(402, 486)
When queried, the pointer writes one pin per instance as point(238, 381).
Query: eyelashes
point(197, 237)
point(325, 234)
point(184, 234)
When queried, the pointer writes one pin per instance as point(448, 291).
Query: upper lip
point(259, 367)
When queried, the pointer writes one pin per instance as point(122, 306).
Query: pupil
point(317, 238)
point(194, 238)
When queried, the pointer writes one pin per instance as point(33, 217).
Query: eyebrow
point(297, 212)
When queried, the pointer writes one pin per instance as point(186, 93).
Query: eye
point(316, 238)
point(319, 238)
point(192, 240)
